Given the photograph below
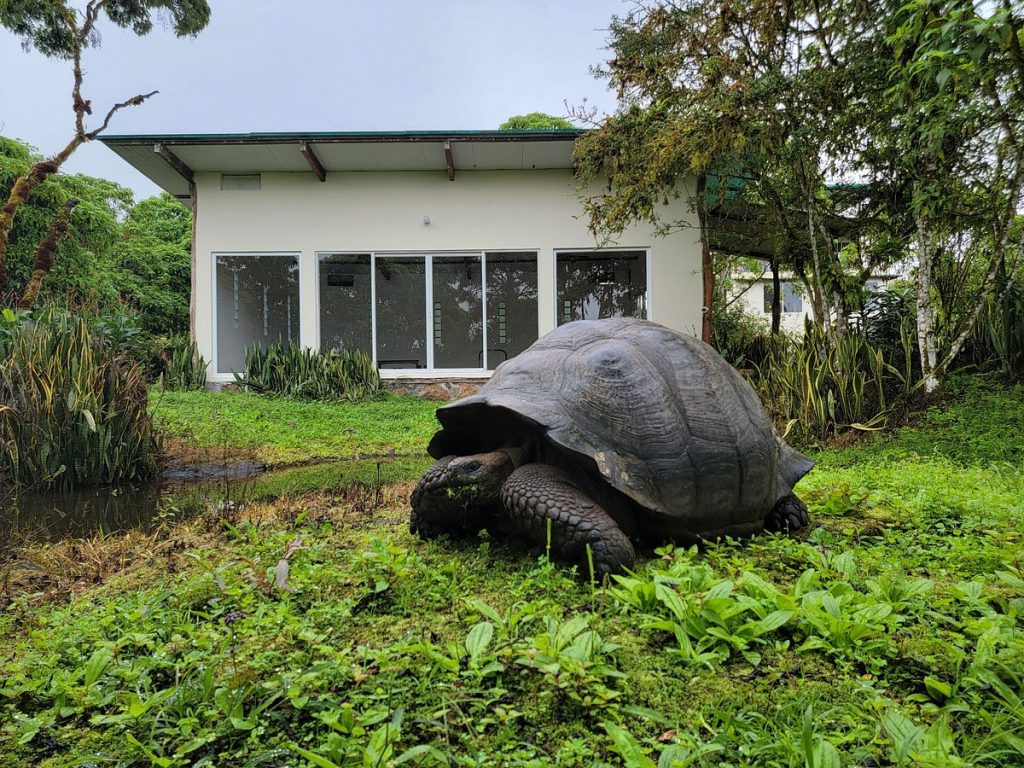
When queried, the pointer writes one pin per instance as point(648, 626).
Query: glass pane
point(401, 312)
point(791, 302)
point(511, 305)
point(458, 312)
point(593, 285)
point(345, 302)
point(257, 305)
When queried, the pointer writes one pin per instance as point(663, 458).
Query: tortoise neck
point(519, 455)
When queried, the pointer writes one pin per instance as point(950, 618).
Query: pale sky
point(317, 65)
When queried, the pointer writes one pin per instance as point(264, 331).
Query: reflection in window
point(457, 312)
point(345, 302)
point(511, 305)
point(593, 285)
point(257, 305)
point(401, 312)
point(791, 301)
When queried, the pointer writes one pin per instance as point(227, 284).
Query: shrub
point(73, 408)
point(294, 371)
point(181, 366)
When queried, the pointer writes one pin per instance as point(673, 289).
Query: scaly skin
point(537, 493)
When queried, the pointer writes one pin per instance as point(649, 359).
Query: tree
point(153, 263)
point(919, 104)
point(58, 30)
point(536, 121)
point(83, 266)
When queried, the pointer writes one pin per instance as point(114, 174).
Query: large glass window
point(257, 304)
point(346, 302)
point(458, 328)
point(511, 305)
point(401, 311)
point(594, 284)
point(443, 311)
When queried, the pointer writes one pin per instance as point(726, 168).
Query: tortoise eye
point(473, 466)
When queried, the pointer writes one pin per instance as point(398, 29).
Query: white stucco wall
point(383, 212)
point(752, 300)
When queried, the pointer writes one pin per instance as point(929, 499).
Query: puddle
point(181, 492)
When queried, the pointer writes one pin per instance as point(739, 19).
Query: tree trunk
point(707, 267)
point(44, 255)
point(925, 307)
point(776, 297)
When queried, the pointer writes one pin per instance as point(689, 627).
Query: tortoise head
point(466, 481)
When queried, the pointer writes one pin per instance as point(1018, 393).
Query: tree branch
point(134, 101)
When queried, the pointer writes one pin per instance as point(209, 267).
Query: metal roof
point(169, 160)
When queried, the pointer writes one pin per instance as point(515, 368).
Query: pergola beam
point(449, 160)
point(175, 162)
point(313, 160)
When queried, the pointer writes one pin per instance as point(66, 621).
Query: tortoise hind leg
point(537, 493)
point(788, 515)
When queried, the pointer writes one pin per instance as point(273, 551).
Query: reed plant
point(73, 408)
point(290, 370)
point(819, 385)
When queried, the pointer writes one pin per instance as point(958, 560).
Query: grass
point(312, 630)
point(281, 431)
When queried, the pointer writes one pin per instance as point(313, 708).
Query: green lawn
point(889, 634)
point(280, 431)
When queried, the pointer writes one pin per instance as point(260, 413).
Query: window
point(595, 284)
point(401, 311)
point(257, 304)
point(511, 305)
point(791, 301)
point(345, 302)
point(443, 311)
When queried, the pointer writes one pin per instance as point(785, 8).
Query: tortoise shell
point(662, 417)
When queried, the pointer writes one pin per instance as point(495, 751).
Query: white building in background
point(440, 254)
point(754, 292)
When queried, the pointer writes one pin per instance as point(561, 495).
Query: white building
point(754, 294)
point(440, 254)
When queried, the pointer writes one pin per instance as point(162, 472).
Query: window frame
point(428, 256)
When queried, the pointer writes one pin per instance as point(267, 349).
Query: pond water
point(181, 492)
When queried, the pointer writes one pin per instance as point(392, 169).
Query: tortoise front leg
point(537, 493)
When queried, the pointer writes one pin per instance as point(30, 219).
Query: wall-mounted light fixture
point(426, 219)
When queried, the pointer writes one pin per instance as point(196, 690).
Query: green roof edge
point(213, 138)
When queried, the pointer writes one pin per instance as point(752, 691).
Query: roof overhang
point(170, 160)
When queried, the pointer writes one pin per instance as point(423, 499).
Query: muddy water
point(181, 492)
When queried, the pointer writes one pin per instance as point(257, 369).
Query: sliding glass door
point(430, 312)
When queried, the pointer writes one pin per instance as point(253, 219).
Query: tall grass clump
point(290, 370)
point(819, 385)
point(72, 407)
point(184, 369)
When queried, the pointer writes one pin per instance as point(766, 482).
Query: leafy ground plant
point(890, 634)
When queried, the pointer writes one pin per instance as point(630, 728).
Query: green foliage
point(117, 256)
point(73, 409)
point(536, 121)
point(45, 25)
point(184, 369)
point(84, 270)
point(290, 370)
point(153, 264)
point(892, 634)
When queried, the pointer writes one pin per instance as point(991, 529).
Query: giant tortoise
point(605, 431)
